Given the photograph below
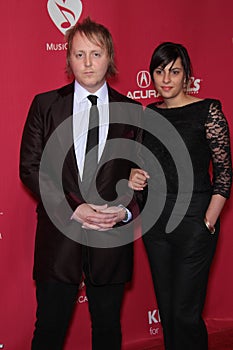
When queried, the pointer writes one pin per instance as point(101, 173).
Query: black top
point(203, 128)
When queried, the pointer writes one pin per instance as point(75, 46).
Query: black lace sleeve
point(217, 133)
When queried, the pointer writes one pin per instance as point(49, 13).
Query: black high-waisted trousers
point(180, 263)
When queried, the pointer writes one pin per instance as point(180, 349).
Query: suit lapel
point(115, 130)
point(62, 115)
point(62, 108)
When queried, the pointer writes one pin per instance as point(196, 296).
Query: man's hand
point(119, 211)
point(97, 217)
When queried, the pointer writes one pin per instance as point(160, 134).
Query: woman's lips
point(166, 88)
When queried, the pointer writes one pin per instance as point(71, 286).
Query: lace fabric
point(217, 134)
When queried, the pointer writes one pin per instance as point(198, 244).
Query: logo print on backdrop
point(64, 13)
point(194, 85)
point(154, 320)
point(143, 79)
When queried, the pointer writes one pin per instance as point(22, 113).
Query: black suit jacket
point(48, 168)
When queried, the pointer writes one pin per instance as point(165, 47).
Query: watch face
point(126, 212)
point(126, 215)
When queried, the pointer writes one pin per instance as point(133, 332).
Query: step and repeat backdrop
point(32, 61)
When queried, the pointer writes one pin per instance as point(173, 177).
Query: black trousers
point(180, 263)
point(55, 304)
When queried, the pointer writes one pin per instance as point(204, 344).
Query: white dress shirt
point(81, 110)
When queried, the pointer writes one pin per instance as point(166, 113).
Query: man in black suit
point(80, 229)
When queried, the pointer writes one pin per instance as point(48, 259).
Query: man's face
point(89, 63)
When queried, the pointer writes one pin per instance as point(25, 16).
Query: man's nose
point(88, 61)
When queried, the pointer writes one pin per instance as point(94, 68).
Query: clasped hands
point(98, 217)
point(104, 217)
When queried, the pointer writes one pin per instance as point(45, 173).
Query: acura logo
point(143, 79)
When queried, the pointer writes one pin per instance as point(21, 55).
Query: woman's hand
point(138, 179)
point(213, 211)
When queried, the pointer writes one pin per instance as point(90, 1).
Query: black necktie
point(91, 157)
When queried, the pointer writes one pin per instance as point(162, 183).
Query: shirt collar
point(81, 93)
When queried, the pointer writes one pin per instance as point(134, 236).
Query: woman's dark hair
point(168, 52)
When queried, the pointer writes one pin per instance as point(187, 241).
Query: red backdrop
point(32, 61)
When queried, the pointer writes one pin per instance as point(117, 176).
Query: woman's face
point(170, 80)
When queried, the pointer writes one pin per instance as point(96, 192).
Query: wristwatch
point(126, 218)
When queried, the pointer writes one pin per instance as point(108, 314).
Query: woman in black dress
point(180, 258)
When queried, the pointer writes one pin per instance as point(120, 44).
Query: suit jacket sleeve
point(37, 130)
